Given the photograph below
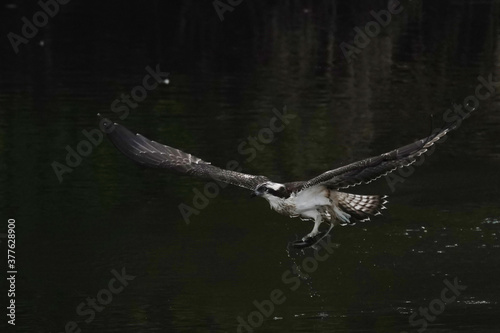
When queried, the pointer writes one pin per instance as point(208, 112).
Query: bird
point(320, 199)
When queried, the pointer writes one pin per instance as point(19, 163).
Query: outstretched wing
point(156, 155)
point(375, 167)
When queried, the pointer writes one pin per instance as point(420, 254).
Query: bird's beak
point(253, 194)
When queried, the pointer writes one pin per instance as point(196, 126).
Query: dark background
point(443, 221)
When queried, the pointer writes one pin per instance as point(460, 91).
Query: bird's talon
point(308, 241)
point(303, 243)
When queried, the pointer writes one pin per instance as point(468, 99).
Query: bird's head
point(268, 189)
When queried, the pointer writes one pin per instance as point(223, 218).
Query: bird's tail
point(356, 207)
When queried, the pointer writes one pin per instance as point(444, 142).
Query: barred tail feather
point(358, 207)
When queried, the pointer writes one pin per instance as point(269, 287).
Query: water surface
point(443, 221)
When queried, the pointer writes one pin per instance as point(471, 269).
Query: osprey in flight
point(318, 199)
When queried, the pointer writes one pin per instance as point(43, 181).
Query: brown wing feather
point(156, 155)
point(375, 167)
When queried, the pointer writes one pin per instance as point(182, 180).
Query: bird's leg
point(315, 231)
point(324, 234)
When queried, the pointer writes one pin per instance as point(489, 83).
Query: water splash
point(297, 269)
point(491, 220)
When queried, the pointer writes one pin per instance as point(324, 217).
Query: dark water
point(443, 221)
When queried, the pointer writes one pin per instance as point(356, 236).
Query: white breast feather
point(306, 203)
point(310, 199)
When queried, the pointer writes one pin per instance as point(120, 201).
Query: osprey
point(318, 199)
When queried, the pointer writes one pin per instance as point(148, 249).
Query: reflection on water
point(225, 79)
